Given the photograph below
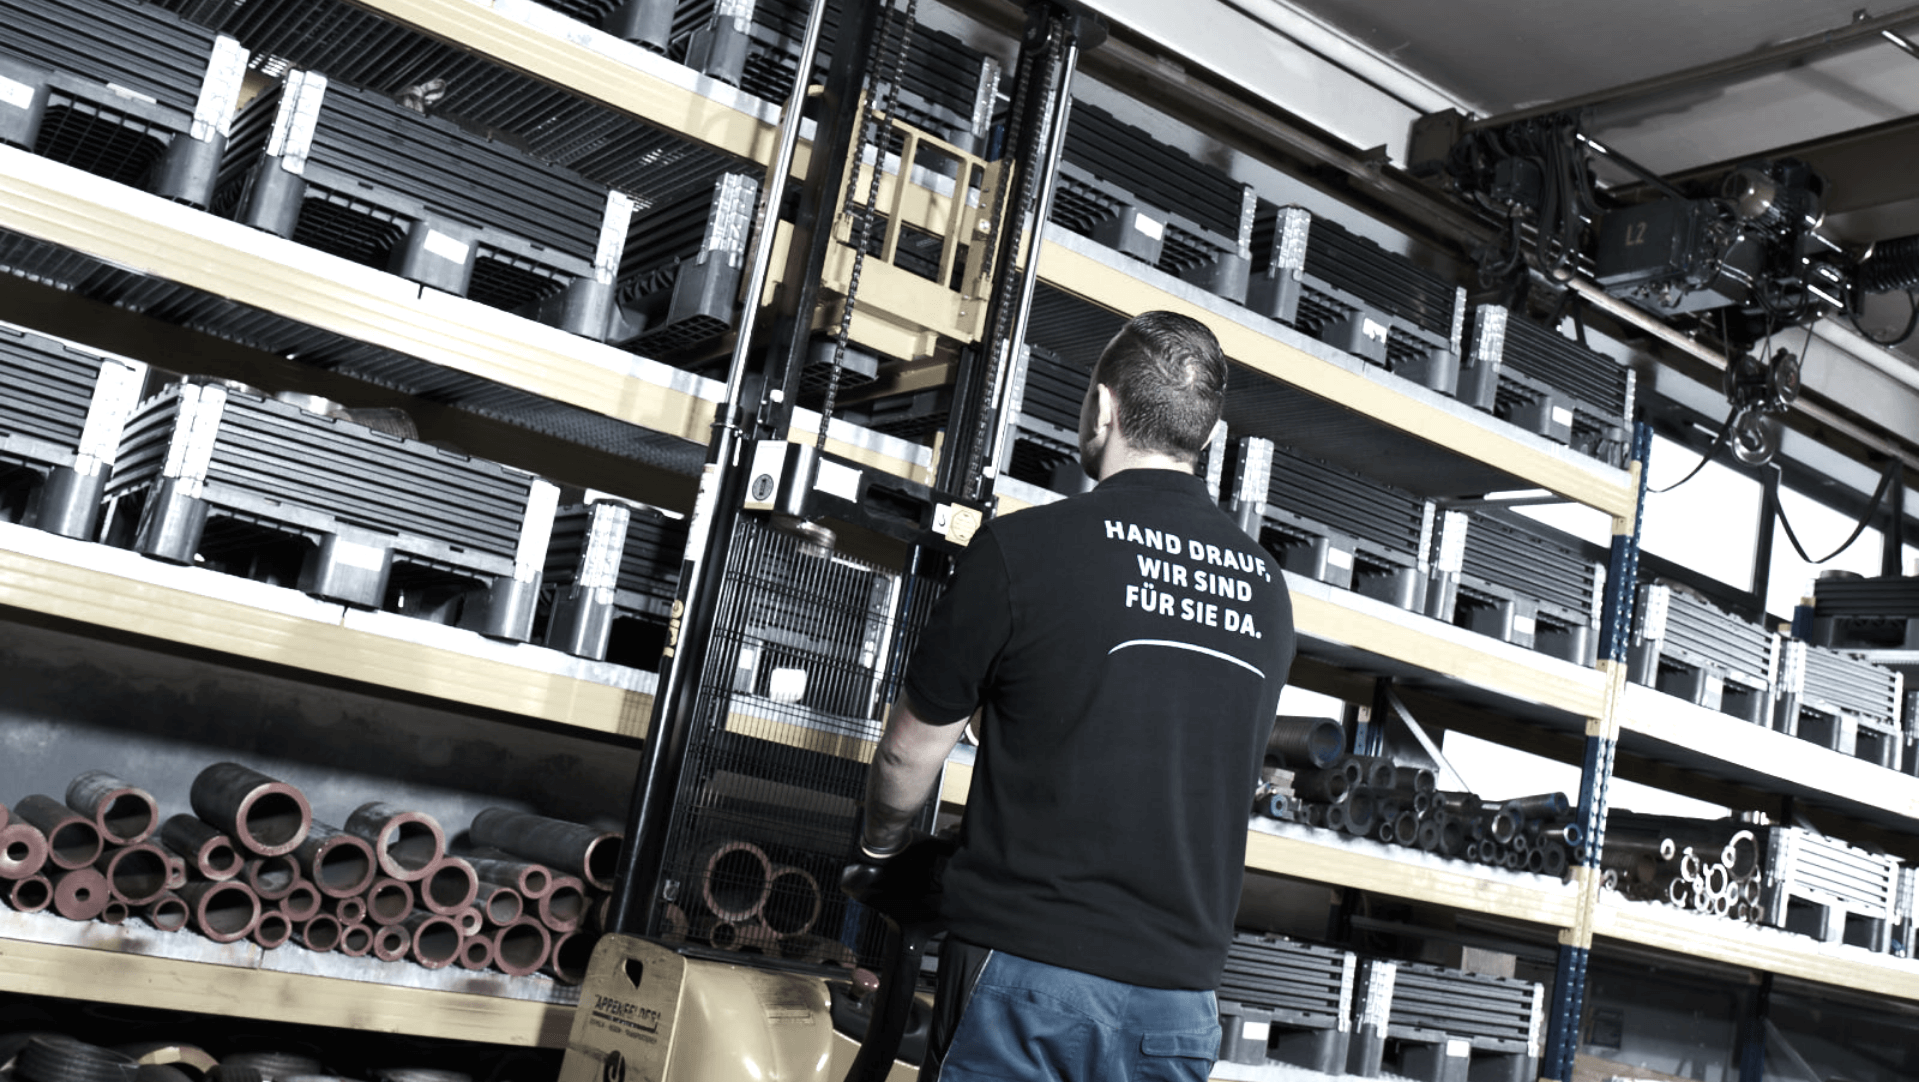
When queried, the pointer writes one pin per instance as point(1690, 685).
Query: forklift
point(731, 953)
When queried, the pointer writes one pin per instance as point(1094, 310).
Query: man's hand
point(905, 888)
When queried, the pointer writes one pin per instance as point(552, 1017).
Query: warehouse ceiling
point(1845, 98)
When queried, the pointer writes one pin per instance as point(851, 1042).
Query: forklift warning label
point(629, 1020)
point(1191, 581)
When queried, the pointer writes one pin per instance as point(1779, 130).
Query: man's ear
point(1108, 407)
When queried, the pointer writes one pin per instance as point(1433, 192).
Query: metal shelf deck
point(118, 589)
point(1769, 950)
point(138, 966)
point(1672, 730)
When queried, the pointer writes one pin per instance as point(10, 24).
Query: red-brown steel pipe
point(266, 817)
point(124, 813)
point(406, 843)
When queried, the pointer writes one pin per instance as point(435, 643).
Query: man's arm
point(905, 768)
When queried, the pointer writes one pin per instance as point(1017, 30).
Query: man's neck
point(1120, 459)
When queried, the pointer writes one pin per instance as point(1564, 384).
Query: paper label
point(1458, 1049)
point(353, 554)
point(837, 480)
point(17, 94)
point(1255, 1031)
point(1374, 330)
point(1339, 558)
point(451, 249)
point(786, 685)
point(1151, 227)
point(1524, 625)
point(1562, 416)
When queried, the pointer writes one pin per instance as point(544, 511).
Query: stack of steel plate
point(123, 90)
point(1333, 525)
point(1686, 647)
point(1880, 613)
point(1840, 702)
point(609, 562)
point(1350, 293)
point(1449, 1025)
point(1831, 891)
point(215, 475)
point(1119, 185)
point(1504, 575)
point(1549, 384)
point(62, 407)
point(359, 176)
point(1287, 1001)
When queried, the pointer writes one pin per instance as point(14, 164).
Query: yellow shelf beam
point(1767, 950)
point(1064, 265)
point(112, 222)
point(247, 991)
point(293, 630)
point(1339, 616)
point(1466, 886)
point(620, 75)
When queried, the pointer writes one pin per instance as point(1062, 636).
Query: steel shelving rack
point(1321, 389)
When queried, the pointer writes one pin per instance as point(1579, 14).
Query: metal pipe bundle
point(1706, 865)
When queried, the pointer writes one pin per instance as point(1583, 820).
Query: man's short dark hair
point(1168, 378)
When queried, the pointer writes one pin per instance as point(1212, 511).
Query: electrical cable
point(1712, 452)
point(1872, 508)
point(1912, 324)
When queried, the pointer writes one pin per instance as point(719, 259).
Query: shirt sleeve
point(968, 627)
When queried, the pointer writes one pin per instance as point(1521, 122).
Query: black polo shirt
point(1128, 646)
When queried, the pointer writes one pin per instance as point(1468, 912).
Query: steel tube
point(563, 908)
point(271, 877)
point(340, 864)
point(266, 817)
point(30, 894)
point(124, 814)
point(1554, 857)
point(566, 962)
point(168, 912)
point(503, 869)
point(435, 939)
point(388, 901)
point(391, 942)
point(520, 948)
point(1306, 741)
point(1332, 817)
point(1380, 772)
point(72, 839)
point(1741, 855)
point(1427, 838)
point(272, 930)
point(176, 869)
point(476, 952)
point(1386, 830)
point(501, 905)
point(449, 886)
point(320, 933)
point(470, 921)
point(223, 912)
point(406, 843)
point(593, 855)
point(136, 874)
point(1329, 786)
point(1542, 806)
point(735, 877)
point(1406, 828)
point(23, 851)
point(301, 902)
point(793, 901)
point(1504, 826)
point(350, 910)
point(356, 939)
point(80, 893)
point(211, 852)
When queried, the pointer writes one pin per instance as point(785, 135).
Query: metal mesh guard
point(789, 702)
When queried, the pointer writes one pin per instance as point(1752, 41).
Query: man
point(1127, 648)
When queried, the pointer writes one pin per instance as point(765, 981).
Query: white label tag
point(1339, 558)
point(837, 480)
point(451, 249)
point(1255, 1031)
point(1151, 227)
point(353, 554)
point(1562, 416)
point(786, 685)
point(19, 95)
point(1715, 687)
point(1458, 1049)
point(1524, 625)
point(1374, 330)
